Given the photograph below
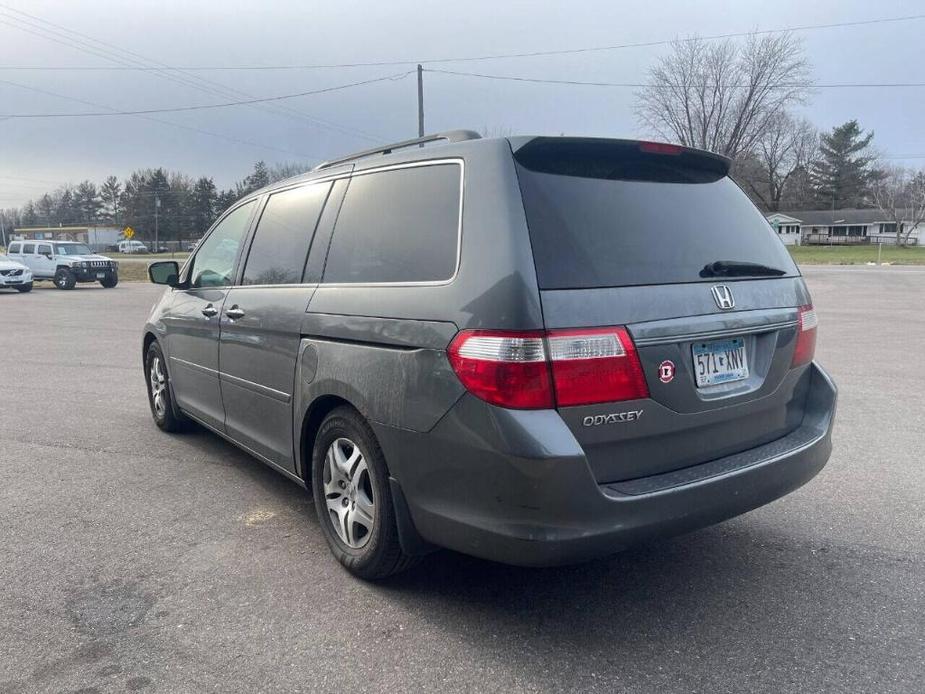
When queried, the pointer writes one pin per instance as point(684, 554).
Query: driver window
point(214, 262)
point(44, 249)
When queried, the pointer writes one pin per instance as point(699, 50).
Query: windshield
point(72, 249)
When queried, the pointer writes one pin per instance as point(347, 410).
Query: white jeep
point(65, 263)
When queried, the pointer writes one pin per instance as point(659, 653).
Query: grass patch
point(133, 272)
point(148, 257)
point(856, 255)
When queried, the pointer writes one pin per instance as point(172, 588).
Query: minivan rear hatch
point(657, 238)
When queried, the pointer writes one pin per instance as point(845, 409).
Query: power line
point(229, 138)
point(782, 85)
point(402, 75)
point(130, 59)
point(202, 107)
point(495, 56)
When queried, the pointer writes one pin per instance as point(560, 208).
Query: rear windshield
point(602, 217)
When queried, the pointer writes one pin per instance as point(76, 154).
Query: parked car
point(535, 350)
point(65, 263)
point(132, 246)
point(14, 275)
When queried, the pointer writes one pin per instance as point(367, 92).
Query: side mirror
point(48, 255)
point(165, 272)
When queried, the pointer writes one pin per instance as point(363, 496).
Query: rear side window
point(605, 215)
point(14, 248)
point(28, 248)
point(284, 236)
point(400, 225)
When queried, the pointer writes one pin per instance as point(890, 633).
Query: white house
point(842, 226)
point(787, 227)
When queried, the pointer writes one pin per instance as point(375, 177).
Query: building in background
point(841, 227)
point(99, 238)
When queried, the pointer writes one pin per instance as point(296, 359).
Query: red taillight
point(660, 148)
point(504, 368)
point(598, 365)
point(806, 336)
point(536, 370)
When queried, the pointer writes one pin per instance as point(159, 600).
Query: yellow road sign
point(128, 232)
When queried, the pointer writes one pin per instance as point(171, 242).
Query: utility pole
point(2, 232)
point(157, 206)
point(420, 101)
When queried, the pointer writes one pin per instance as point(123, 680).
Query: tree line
point(186, 208)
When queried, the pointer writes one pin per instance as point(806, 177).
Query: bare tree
point(786, 149)
point(723, 96)
point(900, 195)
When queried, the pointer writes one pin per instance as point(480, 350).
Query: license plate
point(101, 275)
point(719, 361)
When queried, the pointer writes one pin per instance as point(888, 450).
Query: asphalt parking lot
point(131, 560)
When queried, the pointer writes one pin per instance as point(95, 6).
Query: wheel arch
point(311, 422)
point(408, 536)
point(146, 343)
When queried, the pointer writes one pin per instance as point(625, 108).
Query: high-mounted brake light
point(536, 370)
point(660, 148)
point(806, 336)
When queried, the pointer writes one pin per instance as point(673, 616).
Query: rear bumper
point(515, 487)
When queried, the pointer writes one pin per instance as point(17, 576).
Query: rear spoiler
point(598, 157)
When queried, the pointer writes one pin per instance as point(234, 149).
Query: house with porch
point(841, 226)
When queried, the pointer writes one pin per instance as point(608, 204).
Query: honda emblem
point(722, 295)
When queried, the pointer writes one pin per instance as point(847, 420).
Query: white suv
point(132, 247)
point(65, 263)
point(14, 275)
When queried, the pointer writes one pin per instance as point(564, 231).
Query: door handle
point(234, 312)
point(209, 311)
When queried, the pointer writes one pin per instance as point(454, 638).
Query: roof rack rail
point(448, 136)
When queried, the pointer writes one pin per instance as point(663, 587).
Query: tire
point(111, 281)
point(166, 416)
point(65, 279)
point(355, 497)
point(23, 288)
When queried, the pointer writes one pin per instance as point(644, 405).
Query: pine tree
point(66, 210)
point(257, 179)
point(843, 174)
point(202, 202)
point(110, 195)
point(87, 201)
point(226, 199)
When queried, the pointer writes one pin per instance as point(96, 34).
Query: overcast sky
point(35, 155)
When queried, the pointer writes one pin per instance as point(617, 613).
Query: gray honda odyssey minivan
point(536, 350)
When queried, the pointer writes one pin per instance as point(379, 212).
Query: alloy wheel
point(158, 387)
point(348, 493)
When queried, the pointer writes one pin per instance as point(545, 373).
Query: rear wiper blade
point(739, 268)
